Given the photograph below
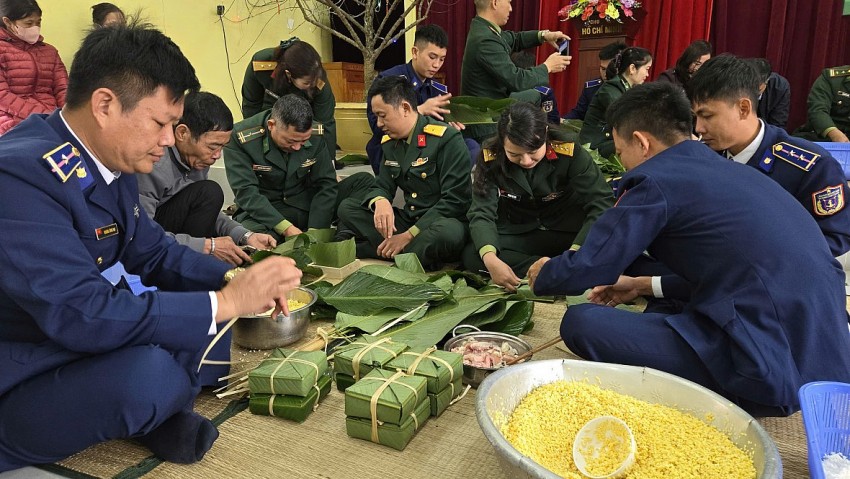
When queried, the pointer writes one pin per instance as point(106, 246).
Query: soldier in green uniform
point(629, 68)
point(281, 173)
point(292, 67)
point(487, 69)
point(535, 193)
point(829, 107)
point(429, 161)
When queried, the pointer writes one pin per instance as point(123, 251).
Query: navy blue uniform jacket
point(580, 110)
point(775, 102)
point(767, 313)
point(812, 176)
point(55, 307)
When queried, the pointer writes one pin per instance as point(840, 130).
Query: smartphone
point(564, 48)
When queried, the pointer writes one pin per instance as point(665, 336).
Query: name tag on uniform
point(390, 163)
point(419, 162)
point(261, 168)
point(508, 195)
point(106, 231)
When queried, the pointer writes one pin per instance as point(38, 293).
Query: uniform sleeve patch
point(249, 134)
point(63, 161)
point(828, 201)
point(263, 66)
point(563, 148)
point(803, 159)
point(435, 130)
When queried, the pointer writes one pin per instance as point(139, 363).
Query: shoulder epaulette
point(563, 147)
point(439, 87)
point(488, 154)
point(593, 83)
point(385, 139)
point(249, 134)
point(318, 128)
point(263, 66)
point(839, 71)
point(435, 130)
point(803, 159)
point(320, 84)
point(543, 90)
point(63, 161)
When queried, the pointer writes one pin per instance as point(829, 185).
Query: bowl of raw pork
point(484, 352)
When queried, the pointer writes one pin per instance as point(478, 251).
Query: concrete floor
point(27, 473)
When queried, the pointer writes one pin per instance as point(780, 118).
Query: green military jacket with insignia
point(595, 129)
point(829, 101)
point(265, 179)
point(258, 94)
point(487, 69)
point(434, 177)
point(564, 192)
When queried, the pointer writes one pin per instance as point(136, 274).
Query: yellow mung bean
point(293, 304)
point(670, 443)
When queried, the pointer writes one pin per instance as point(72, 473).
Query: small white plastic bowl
point(591, 438)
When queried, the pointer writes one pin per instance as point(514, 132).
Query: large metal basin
point(502, 391)
point(264, 332)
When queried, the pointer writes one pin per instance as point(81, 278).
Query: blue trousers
point(606, 334)
point(121, 394)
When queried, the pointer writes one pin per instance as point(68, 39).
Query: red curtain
point(667, 28)
point(799, 37)
point(454, 16)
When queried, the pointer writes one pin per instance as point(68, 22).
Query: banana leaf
point(373, 322)
point(442, 281)
point(610, 167)
point(363, 294)
point(471, 110)
point(526, 292)
point(409, 262)
point(319, 235)
point(393, 274)
point(472, 279)
point(573, 125)
point(515, 321)
point(335, 254)
point(439, 321)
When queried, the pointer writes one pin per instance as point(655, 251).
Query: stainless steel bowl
point(501, 392)
point(264, 332)
point(473, 375)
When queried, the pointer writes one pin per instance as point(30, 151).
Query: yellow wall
point(195, 27)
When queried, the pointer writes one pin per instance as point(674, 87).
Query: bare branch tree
point(359, 28)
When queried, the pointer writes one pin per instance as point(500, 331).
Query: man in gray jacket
point(178, 195)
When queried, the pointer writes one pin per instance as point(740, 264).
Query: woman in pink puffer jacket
point(33, 78)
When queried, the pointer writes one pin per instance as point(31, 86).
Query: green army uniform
point(487, 69)
point(275, 189)
point(530, 213)
point(829, 102)
point(595, 129)
point(258, 94)
point(432, 169)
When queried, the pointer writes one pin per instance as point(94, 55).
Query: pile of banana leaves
point(419, 309)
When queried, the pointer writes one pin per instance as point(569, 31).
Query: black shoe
point(338, 165)
point(343, 233)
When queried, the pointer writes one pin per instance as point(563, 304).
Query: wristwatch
point(231, 273)
point(244, 240)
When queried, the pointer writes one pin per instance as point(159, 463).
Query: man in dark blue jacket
point(82, 361)
point(724, 96)
point(767, 311)
point(774, 100)
point(428, 54)
point(607, 54)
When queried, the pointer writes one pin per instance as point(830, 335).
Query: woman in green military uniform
point(629, 68)
point(535, 193)
point(293, 67)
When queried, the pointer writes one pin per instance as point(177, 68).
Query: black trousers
point(192, 211)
